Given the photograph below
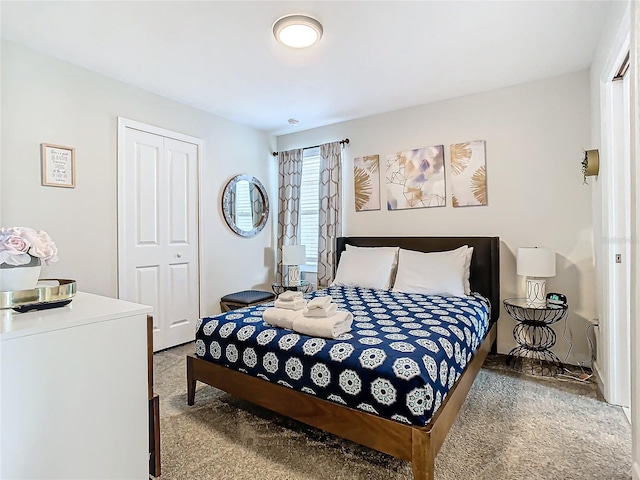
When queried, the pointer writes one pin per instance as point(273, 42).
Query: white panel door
point(158, 242)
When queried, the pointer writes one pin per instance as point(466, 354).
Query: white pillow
point(432, 273)
point(366, 267)
point(394, 266)
point(467, 270)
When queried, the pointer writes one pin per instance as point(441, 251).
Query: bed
point(412, 434)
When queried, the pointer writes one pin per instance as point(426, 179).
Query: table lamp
point(535, 264)
point(293, 256)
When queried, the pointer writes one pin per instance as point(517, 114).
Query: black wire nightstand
point(534, 336)
point(303, 286)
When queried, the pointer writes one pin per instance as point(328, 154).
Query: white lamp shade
point(536, 262)
point(294, 255)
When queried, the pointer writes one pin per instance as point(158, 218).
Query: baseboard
point(627, 413)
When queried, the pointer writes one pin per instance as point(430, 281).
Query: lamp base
point(294, 274)
point(536, 292)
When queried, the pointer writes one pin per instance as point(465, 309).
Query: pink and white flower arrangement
point(18, 245)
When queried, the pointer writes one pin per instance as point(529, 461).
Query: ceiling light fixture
point(297, 31)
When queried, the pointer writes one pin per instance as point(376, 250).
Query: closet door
point(158, 232)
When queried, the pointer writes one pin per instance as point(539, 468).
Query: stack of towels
point(322, 318)
point(319, 318)
point(290, 301)
point(288, 306)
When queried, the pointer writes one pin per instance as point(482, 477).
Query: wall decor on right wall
point(366, 180)
point(590, 165)
point(468, 174)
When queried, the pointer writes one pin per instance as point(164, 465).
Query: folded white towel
point(298, 304)
point(320, 312)
point(320, 302)
point(290, 295)
point(328, 327)
point(280, 317)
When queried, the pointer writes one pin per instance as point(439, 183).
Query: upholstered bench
point(246, 298)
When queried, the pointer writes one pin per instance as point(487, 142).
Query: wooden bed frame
point(419, 445)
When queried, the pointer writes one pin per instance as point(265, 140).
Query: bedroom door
point(158, 230)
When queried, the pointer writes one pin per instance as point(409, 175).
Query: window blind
point(309, 204)
point(244, 218)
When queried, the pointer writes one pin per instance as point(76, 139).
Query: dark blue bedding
point(403, 354)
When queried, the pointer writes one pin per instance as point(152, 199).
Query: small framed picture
point(58, 166)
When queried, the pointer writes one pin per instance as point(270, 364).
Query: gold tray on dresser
point(45, 296)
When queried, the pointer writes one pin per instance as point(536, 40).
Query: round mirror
point(245, 205)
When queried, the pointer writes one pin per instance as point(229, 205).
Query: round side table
point(303, 286)
point(534, 336)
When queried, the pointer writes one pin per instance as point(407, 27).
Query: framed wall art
point(366, 180)
point(415, 178)
point(58, 166)
point(468, 174)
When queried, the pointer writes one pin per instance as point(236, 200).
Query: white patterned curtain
point(289, 179)
point(330, 214)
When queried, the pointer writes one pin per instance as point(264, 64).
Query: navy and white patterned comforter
point(402, 356)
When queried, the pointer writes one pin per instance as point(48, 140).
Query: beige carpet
point(512, 426)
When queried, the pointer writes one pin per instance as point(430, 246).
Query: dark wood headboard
point(485, 263)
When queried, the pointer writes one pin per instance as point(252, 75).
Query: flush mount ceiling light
point(297, 31)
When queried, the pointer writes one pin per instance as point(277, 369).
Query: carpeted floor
point(511, 426)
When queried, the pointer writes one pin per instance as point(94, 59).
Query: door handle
point(178, 255)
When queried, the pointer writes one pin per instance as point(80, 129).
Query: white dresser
point(74, 397)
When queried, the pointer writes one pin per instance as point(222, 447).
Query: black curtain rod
point(342, 142)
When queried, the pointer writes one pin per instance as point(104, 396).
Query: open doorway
point(615, 326)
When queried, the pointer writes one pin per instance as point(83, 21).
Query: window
point(309, 206)
point(243, 214)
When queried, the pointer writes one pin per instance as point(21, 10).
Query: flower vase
point(20, 277)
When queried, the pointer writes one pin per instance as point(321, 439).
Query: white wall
point(534, 136)
point(45, 100)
